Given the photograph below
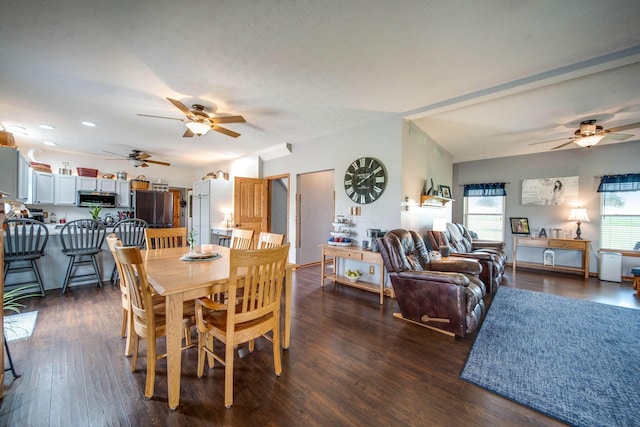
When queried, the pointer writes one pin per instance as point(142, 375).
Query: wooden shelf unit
point(358, 254)
point(434, 201)
point(562, 244)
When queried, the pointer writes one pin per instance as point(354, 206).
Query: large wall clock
point(365, 180)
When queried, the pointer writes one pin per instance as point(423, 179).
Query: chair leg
point(72, 260)
point(114, 276)
point(97, 270)
point(151, 368)
point(134, 359)
point(128, 345)
point(11, 367)
point(36, 271)
point(277, 363)
point(201, 354)
point(228, 375)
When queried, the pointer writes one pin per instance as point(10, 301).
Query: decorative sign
point(550, 191)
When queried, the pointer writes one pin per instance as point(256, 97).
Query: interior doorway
point(315, 206)
point(279, 205)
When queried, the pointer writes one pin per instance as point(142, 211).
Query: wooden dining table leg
point(174, 312)
point(288, 299)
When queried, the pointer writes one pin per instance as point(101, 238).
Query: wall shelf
point(434, 201)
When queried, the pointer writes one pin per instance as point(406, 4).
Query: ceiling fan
point(138, 158)
point(199, 123)
point(589, 134)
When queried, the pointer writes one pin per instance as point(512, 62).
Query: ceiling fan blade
point(618, 136)
point(144, 165)
point(155, 162)
point(225, 131)
point(562, 145)
point(115, 154)
point(227, 119)
point(552, 140)
point(188, 133)
point(160, 117)
point(182, 108)
point(625, 127)
point(141, 155)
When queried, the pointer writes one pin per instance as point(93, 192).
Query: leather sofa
point(445, 295)
point(490, 253)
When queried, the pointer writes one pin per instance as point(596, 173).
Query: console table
point(563, 244)
point(358, 254)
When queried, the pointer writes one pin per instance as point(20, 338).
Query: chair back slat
point(269, 240)
point(82, 236)
point(24, 238)
point(164, 238)
point(131, 231)
point(241, 239)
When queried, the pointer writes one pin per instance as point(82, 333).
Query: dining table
point(179, 278)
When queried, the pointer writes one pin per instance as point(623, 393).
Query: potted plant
point(95, 213)
point(191, 239)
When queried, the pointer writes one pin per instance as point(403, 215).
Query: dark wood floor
point(351, 363)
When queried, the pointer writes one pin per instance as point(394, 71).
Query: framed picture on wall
point(519, 225)
point(445, 191)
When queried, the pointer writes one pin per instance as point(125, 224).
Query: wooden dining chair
point(241, 239)
point(131, 232)
point(149, 319)
point(163, 238)
point(255, 313)
point(269, 240)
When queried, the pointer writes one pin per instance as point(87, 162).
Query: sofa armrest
point(493, 244)
point(480, 256)
point(456, 279)
point(456, 265)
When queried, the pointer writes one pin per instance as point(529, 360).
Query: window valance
point(485, 190)
point(613, 183)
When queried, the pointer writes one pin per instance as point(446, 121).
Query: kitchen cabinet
point(14, 173)
point(123, 190)
point(85, 183)
point(42, 188)
point(212, 199)
point(65, 190)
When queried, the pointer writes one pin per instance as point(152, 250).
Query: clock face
point(365, 180)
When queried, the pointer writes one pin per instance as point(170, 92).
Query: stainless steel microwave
point(92, 199)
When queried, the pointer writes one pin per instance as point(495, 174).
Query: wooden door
point(251, 205)
point(177, 209)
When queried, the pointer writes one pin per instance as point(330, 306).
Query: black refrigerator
point(155, 207)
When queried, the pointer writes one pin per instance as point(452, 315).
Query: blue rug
point(576, 361)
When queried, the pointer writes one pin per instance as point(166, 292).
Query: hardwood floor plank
point(350, 363)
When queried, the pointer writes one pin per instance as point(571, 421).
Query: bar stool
point(224, 240)
point(82, 240)
point(25, 240)
point(130, 231)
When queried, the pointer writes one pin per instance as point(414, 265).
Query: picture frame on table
point(520, 226)
point(445, 191)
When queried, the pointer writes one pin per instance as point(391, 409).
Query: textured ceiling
point(484, 79)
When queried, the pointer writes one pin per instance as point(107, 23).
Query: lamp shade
point(588, 141)
point(579, 214)
point(439, 224)
point(198, 128)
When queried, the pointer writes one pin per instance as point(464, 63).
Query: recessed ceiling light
point(49, 143)
point(48, 127)
point(90, 124)
point(17, 129)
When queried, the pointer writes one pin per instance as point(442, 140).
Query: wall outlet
point(372, 269)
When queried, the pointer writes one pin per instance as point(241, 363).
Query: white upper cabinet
point(42, 188)
point(65, 190)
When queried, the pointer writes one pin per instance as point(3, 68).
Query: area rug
point(19, 326)
point(576, 361)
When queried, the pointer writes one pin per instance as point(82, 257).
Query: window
point(484, 210)
point(485, 216)
point(620, 220)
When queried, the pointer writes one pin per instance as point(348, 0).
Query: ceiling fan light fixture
point(136, 162)
point(198, 128)
point(588, 141)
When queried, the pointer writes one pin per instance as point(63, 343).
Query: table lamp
point(578, 215)
point(440, 225)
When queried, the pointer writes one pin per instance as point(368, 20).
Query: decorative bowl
point(354, 279)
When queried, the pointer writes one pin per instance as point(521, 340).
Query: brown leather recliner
point(445, 295)
point(489, 252)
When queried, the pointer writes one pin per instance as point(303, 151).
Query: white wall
point(380, 139)
point(600, 160)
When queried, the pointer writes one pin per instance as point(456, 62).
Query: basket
point(40, 167)
point(7, 139)
point(137, 184)
point(91, 173)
